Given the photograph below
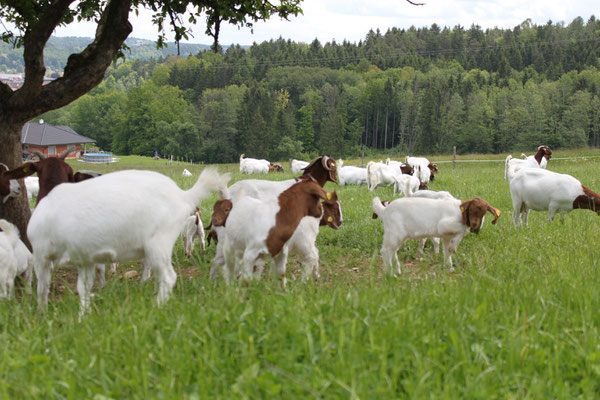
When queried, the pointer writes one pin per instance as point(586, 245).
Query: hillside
point(59, 48)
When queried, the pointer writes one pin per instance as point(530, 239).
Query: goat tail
point(209, 180)
point(369, 174)
point(408, 188)
point(378, 207)
point(506, 163)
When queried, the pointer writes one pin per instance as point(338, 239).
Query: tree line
point(406, 91)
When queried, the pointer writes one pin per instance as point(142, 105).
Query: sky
point(351, 20)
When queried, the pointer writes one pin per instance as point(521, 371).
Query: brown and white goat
point(419, 218)
point(540, 189)
point(257, 229)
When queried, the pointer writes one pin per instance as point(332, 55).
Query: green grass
point(518, 319)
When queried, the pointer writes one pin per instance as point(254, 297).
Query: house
point(52, 140)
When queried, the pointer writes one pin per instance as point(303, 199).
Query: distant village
point(15, 81)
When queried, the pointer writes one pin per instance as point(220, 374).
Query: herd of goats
point(138, 215)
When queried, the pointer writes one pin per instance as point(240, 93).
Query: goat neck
point(300, 200)
point(589, 200)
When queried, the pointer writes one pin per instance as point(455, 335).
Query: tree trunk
point(386, 126)
point(15, 210)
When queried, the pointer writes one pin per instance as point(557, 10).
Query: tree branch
point(85, 70)
point(34, 41)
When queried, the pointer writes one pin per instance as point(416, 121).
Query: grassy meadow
point(518, 319)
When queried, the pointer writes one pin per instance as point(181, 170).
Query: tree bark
point(15, 210)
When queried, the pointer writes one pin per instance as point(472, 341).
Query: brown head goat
point(52, 171)
point(261, 228)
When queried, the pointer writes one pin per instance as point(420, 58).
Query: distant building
point(52, 140)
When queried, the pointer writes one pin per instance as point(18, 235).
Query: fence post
point(454, 157)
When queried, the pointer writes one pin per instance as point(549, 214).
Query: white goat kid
point(379, 174)
point(539, 189)
point(118, 229)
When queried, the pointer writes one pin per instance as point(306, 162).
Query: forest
point(417, 90)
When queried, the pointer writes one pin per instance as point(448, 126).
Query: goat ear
point(464, 209)
point(22, 171)
point(496, 212)
point(332, 196)
point(318, 191)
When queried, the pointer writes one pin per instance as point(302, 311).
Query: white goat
point(32, 184)
point(259, 228)
point(379, 174)
point(8, 261)
point(118, 226)
point(539, 160)
point(20, 263)
point(186, 172)
point(297, 165)
point(430, 194)
point(253, 165)
point(539, 189)
point(407, 184)
point(418, 218)
point(351, 175)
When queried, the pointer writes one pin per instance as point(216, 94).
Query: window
point(51, 150)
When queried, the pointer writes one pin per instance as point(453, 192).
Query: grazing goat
point(539, 189)
point(9, 187)
point(253, 165)
point(259, 228)
point(424, 169)
point(221, 210)
point(297, 165)
point(118, 227)
point(303, 241)
point(351, 175)
point(418, 218)
point(514, 165)
point(186, 172)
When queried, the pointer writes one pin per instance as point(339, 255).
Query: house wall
point(58, 149)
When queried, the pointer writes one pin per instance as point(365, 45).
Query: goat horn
point(324, 161)
point(65, 153)
point(38, 153)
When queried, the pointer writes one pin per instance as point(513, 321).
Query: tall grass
point(518, 318)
